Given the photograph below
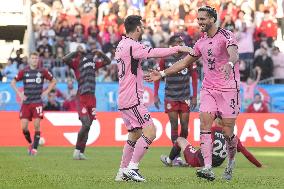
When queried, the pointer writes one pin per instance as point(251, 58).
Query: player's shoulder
point(225, 33)
point(201, 39)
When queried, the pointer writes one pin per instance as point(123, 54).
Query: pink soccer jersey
point(214, 54)
point(129, 55)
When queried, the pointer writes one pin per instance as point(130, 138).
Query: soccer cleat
point(33, 152)
point(133, 174)
point(82, 156)
point(163, 159)
point(76, 154)
point(178, 162)
point(228, 173)
point(119, 176)
point(205, 173)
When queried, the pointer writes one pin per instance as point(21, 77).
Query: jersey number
point(219, 150)
point(39, 110)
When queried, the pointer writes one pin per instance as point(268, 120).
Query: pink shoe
point(33, 152)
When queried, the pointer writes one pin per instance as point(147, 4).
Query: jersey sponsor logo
point(38, 74)
point(30, 80)
point(90, 64)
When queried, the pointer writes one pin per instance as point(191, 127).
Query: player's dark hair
point(131, 23)
point(210, 11)
point(173, 39)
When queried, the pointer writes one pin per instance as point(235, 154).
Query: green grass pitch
point(54, 168)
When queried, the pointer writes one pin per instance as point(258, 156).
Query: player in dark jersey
point(85, 65)
point(194, 157)
point(177, 94)
point(33, 79)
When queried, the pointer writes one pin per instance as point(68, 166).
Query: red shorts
point(176, 106)
point(33, 110)
point(86, 105)
point(192, 157)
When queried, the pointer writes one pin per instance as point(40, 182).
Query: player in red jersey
point(194, 157)
point(178, 100)
point(33, 80)
point(85, 64)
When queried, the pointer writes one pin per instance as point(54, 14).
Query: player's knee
point(86, 121)
point(150, 132)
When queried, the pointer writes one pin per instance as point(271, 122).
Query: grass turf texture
point(54, 168)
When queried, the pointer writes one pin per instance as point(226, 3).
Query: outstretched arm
point(247, 154)
point(140, 51)
point(180, 65)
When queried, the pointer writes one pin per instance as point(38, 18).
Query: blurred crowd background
point(60, 26)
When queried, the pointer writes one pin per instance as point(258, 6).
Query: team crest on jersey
point(38, 80)
point(84, 110)
point(147, 117)
point(169, 106)
point(184, 71)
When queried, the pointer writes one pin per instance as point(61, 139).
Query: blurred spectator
point(24, 63)
point(70, 89)
point(258, 106)
point(10, 71)
point(280, 16)
point(44, 46)
point(52, 104)
point(278, 63)
point(18, 58)
point(70, 104)
point(268, 26)
point(1, 76)
point(228, 23)
point(244, 70)
point(47, 61)
point(265, 63)
point(244, 37)
point(65, 30)
point(249, 88)
point(59, 69)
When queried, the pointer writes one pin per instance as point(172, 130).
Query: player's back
point(214, 54)
point(130, 73)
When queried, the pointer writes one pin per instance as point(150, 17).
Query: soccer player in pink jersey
point(129, 55)
point(219, 94)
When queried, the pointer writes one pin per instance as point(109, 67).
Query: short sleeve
point(196, 50)
point(47, 75)
point(230, 39)
point(19, 76)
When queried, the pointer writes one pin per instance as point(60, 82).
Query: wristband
point(231, 64)
point(163, 74)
